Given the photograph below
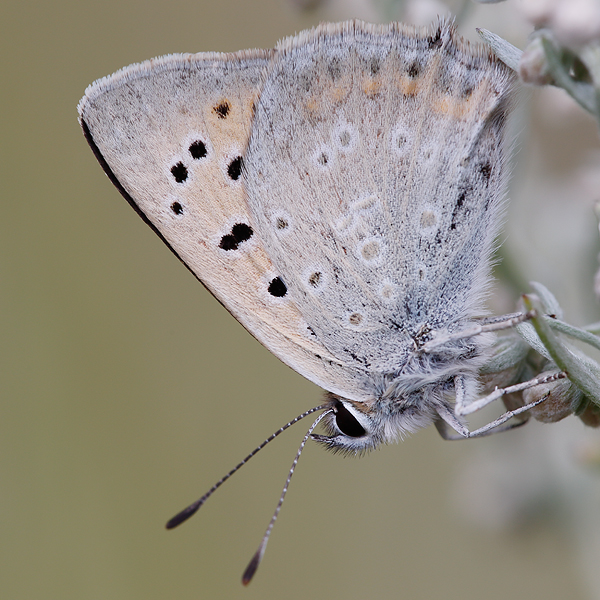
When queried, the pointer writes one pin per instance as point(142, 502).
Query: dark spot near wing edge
point(100, 158)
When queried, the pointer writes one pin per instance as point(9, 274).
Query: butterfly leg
point(462, 409)
point(447, 432)
point(495, 425)
point(448, 422)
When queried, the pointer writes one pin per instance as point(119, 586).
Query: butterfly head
point(357, 427)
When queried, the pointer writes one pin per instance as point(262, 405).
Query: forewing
point(171, 133)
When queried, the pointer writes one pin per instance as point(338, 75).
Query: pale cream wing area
point(171, 134)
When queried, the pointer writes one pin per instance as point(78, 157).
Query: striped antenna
point(253, 564)
point(187, 512)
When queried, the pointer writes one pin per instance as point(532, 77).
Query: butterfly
point(340, 195)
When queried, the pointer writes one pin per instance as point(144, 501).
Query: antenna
point(253, 564)
point(187, 512)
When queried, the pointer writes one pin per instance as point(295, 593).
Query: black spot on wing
point(177, 208)
point(198, 149)
point(179, 172)
point(240, 232)
point(105, 166)
point(277, 288)
point(234, 170)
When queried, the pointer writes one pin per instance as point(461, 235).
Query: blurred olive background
point(127, 390)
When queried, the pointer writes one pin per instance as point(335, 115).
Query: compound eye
point(347, 423)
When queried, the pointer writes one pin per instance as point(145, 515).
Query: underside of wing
point(171, 134)
point(375, 176)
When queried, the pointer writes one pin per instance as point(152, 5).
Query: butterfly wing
point(171, 134)
point(382, 149)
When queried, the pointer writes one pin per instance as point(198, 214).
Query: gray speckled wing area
point(375, 176)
